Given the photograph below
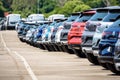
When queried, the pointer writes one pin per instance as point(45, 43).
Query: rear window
point(116, 23)
point(111, 16)
point(83, 18)
point(99, 16)
point(72, 18)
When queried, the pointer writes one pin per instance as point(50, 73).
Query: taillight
point(87, 23)
point(98, 24)
point(119, 35)
point(106, 33)
point(74, 26)
point(60, 28)
point(52, 29)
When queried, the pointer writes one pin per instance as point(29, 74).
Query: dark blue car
point(107, 45)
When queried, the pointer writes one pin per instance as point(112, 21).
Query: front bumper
point(95, 51)
point(87, 49)
point(117, 62)
point(106, 59)
point(74, 46)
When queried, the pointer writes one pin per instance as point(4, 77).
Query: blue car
point(38, 34)
point(107, 45)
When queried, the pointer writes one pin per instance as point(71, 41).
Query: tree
point(81, 8)
point(69, 6)
point(110, 2)
point(2, 9)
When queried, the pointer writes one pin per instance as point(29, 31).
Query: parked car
point(75, 33)
point(21, 30)
point(65, 30)
point(30, 34)
point(40, 32)
point(115, 68)
point(2, 25)
point(35, 17)
point(11, 20)
point(107, 46)
point(19, 24)
point(27, 27)
point(89, 31)
point(53, 17)
point(52, 35)
point(113, 15)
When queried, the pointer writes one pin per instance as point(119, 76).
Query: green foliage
point(94, 3)
point(2, 9)
point(81, 8)
point(48, 7)
point(67, 9)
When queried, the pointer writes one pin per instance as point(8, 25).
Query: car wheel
point(21, 40)
point(41, 46)
point(49, 48)
point(104, 65)
point(91, 58)
point(112, 68)
point(79, 53)
point(70, 51)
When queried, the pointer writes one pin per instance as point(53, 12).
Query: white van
point(56, 16)
point(36, 17)
point(11, 20)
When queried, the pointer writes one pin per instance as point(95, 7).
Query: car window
point(72, 18)
point(111, 16)
point(83, 18)
point(99, 15)
point(116, 23)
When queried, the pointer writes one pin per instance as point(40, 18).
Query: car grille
point(91, 27)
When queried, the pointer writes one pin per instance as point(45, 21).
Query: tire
point(21, 40)
point(79, 53)
point(60, 48)
point(70, 51)
point(49, 48)
point(91, 58)
point(104, 65)
point(41, 46)
point(112, 68)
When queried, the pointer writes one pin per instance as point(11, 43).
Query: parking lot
point(20, 61)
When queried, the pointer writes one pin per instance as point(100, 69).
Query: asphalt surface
point(20, 61)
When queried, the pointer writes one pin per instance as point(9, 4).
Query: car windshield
point(99, 15)
point(111, 16)
point(84, 18)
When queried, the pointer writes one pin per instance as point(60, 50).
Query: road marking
point(27, 66)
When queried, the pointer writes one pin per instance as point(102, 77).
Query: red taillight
point(87, 23)
point(74, 25)
point(98, 24)
point(105, 33)
point(60, 28)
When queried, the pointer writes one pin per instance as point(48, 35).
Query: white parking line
point(27, 66)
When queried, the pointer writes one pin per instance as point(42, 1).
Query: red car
point(75, 33)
